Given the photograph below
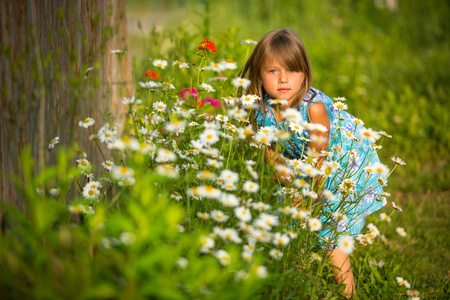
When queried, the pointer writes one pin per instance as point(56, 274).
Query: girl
point(280, 74)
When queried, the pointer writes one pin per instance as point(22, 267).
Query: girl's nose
point(283, 77)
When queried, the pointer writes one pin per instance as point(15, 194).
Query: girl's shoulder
point(314, 95)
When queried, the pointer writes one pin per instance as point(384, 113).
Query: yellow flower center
point(51, 142)
point(84, 163)
point(91, 192)
point(86, 121)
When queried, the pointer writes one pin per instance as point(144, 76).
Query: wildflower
point(398, 208)
point(87, 122)
point(368, 134)
point(237, 112)
point(149, 85)
point(208, 88)
point(121, 172)
point(277, 102)
point(376, 264)
point(229, 100)
point(127, 238)
point(251, 187)
point(385, 217)
point(193, 123)
point(175, 126)
point(117, 51)
point(182, 262)
point(249, 99)
point(222, 118)
point(188, 92)
point(249, 42)
point(152, 74)
point(159, 106)
point(266, 221)
point(167, 170)
point(401, 231)
point(241, 82)
point(383, 133)
point(281, 239)
point(397, 161)
point(339, 99)
point(276, 254)
point(223, 256)
point(401, 281)
point(160, 63)
point(209, 192)
point(243, 213)
point(127, 182)
point(346, 243)
point(229, 200)
point(180, 64)
point(203, 215)
point(358, 121)
point(218, 216)
point(295, 127)
point(315, 224)
point(229, 64)
point(229, 176)
point(247, 255)
point(53, 142)
point(291, 115)
point(165, 155)
point(84, 164)
point(207, 45)
point(260, 271)
point(209, 136)
point(130, 101)
point(54, 192)
point(77, 209)
point(175, 195)
point(316, 256)
point(373, 229)
point(339, 105)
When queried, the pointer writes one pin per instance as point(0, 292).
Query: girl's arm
point(318, 114)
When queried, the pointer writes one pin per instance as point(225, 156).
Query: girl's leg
point(342, 270)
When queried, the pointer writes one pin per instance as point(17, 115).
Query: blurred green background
point(389, 58)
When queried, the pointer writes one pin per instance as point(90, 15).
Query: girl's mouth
point(283, 90)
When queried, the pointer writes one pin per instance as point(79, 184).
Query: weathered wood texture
point(46, 46)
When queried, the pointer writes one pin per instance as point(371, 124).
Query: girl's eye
point(272, 71)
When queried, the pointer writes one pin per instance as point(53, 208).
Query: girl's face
point(279, 82)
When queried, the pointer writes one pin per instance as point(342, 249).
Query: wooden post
point(45, 48)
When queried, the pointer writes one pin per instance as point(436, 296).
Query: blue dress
point(365, 198)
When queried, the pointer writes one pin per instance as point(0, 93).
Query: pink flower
point(186, 92)
point(214, 102)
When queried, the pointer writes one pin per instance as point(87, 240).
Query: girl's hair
point(285, 46)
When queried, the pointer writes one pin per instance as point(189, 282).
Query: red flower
point(207, 46)
point(152, 74)
point(200, 104)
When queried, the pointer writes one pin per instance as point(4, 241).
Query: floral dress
point(367, 193)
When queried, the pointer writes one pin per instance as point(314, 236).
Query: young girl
point(280, 74)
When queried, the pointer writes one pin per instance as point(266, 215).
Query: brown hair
point(287, 47)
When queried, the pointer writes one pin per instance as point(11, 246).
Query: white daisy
point(223, 257)
point(315, 224)
point(207, 87)
point(53, 142)
point(159, 106)
point(248, 100)
point(401, 231)
point(276, 254)
point(251, 187)
point(160, 63)
point(218, 216)
point(403, 282)
point(87, 122)
point(241, 82)
point(346, 243)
